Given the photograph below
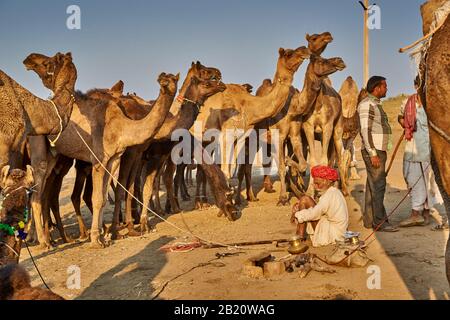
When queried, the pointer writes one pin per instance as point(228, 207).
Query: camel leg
point(42, 164)
point(327, 132)
point(296, 141)
point(149, 173)
point(284, 197)
point(240, 175)
point(76, 201)
point(63, 166)
point(309, 134)
point(119, 195)
point(100, 182)
point(184, 188)
point(171, 198)
point(201, 184)
point(134, 214)
point(341, 157)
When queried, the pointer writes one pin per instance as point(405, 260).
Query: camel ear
point(29, 178)
point(118, 87)
point(177, 77)
point(307, 37)
point(281, 51)
point(4, 175)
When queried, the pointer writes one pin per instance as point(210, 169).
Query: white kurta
point(332, 215)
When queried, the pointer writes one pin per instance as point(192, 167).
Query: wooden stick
point(248, 243)
point(401, 50)
point(395, 152)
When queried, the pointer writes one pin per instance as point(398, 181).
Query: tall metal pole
point(366, 44)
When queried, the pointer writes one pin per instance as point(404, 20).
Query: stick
point(401, 50)
point(395, 152)
point(248, 243)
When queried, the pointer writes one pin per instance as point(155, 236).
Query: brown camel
point(200, 83)
point(236, 109)
point(162, 149)
point(108, 132)
point(349, 95)
point(23, 114)
point(15, 284)
point(327, 120)
point(317, 43)
point(13, 211)
point(435, 92)
point(286, 122)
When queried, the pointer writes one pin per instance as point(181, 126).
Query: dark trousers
point(374, 210)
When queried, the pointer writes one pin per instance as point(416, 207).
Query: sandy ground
point(411, 261)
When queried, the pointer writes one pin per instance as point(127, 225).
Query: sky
point(135, 40)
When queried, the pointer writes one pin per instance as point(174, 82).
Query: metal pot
point(296, 246)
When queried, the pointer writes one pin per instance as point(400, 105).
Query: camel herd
point(107, 133)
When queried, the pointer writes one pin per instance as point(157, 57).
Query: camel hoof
point(283, 202)
point(97, 245)
point(252, 199)
point(133, 233)
point(220, 213)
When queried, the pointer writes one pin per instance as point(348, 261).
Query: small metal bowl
point(296, 246)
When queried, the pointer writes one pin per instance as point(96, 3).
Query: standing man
point(416, 163)
point(376, 135)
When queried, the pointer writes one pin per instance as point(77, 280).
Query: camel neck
point(308, 95)
point(137, 132)
point(269, 105)
point(43, 115)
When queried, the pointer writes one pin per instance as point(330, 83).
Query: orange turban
point(324, 172)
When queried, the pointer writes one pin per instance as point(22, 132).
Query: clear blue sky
point(135, 40)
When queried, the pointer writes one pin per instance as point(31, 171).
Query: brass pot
point(296, 246)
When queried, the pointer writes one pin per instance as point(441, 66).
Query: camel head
point(55, 72)
point(230, 209)
point(200, 90)
point(13, 210)
point(248, 87)
point(201, 72)
point(317, 43)
point(324, 67)
point(168, 83)
point(290, 59)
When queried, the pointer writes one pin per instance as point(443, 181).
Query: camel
point(327, 120)
point(15, 284)
point(236, 109)
point(107, 132)
point(349, 95)
point(435, 93)
point(14, 211)
point(192, 95)
point(317, 43)
point(23, 114)
point(286, 122)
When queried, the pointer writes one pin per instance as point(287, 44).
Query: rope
point(34, 263)
point(52, 143)
point(147, 208)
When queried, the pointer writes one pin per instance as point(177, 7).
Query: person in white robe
point(326, 222)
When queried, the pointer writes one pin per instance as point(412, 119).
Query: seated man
point(327, 221)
